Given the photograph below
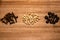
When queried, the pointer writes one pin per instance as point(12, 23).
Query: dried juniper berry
point(47, 22)
point(46, 17)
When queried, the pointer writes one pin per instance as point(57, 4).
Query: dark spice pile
point(9, 18)
point(51, 18)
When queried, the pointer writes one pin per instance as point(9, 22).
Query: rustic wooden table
point(38, 31)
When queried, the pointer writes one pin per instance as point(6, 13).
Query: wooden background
point(21, 31)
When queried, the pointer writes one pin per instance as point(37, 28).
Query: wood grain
point(21, 31)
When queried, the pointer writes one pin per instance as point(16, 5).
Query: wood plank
point(21, 31)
